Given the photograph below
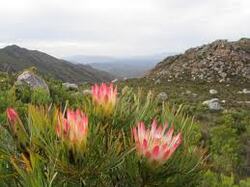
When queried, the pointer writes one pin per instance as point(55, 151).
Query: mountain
point(130, 67)
point(14, 58)
point(220, 60)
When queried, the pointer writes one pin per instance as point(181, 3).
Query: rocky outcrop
point(32, 80)
point(221, 61)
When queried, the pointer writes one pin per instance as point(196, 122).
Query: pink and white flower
point(156, 144)
point(16, 126)
point(104, 96)
point(12, 115)
point(73, 128)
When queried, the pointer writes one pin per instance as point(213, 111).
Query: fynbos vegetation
point(91, 143)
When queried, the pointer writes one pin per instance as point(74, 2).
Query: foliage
point(109, 159)
point(40, 97)
point(223, 136)
point(220, 180)
point(229, 142)
point(224, 149)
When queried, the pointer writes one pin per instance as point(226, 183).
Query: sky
point(120, 27)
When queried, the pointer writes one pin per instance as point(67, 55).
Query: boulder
point(32, 80)
point(70, 86)
point(87, 92)
point(246, 91)
point(243, 102)
point(194, 94)
point(162, 96)
point(115, 80)
point(213, 104)
point(158, 81)
point(213, 91)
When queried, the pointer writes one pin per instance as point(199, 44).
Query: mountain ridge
point(14, 59)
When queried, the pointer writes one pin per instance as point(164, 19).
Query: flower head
point(73, 128)
point(16, 126)
point(13, 119)
point(105, 97)
point(156, 144)
point(12, 115)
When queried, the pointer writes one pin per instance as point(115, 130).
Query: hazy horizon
point(120, 28)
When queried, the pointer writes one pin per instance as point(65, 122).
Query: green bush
point(40, 97)
point(225, 149)
point(212, 179)
point(23, 93)
point(228, 142)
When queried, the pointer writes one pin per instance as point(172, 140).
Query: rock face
point(213, 104)
point(32, 80)
point(221, 61)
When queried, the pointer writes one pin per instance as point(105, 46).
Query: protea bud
point(104, 97)
point(155, 144)
point(16, 126)
point(13, 118)
point(12, 115)
point(74, 128)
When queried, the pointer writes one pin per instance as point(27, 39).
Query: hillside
point(14, 58)
point(219, 61)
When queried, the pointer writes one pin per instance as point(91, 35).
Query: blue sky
point(120, 27)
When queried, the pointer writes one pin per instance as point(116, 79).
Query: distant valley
point(127, 67)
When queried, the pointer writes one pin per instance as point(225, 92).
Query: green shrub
point(40, 97)
point(23, 93)
point(212, 179)
point(225, 149)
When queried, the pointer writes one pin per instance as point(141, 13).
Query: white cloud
point(121, 27)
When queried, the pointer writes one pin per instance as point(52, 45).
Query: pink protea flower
point(12, 115)
point(156, 144)
point(74, 128)
point(104, 96)
point(16, 126)
point(13, 119)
